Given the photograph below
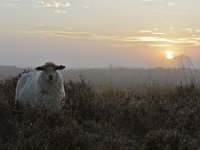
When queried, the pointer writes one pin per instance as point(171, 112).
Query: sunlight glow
point(169, 55)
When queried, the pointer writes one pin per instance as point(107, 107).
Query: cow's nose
point(50, 77)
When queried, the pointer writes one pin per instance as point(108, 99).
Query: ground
point(152, 118)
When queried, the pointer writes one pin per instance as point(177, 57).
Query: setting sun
point(169, 55)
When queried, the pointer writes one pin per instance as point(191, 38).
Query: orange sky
point(97, 33)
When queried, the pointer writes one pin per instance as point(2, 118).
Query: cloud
point(82, 35)
point(197, 30)
point(52, 3)
point(40, 25)
point(193, 41)
point(159, 33)
point(145, 31)
point(160, 45)
point(54, 6)
point(151, 32)
point(153, 41)
point(148, 0)
point(171, 4)
point(13, 3)
point(146, 39)
point(189, 30)
point(86, 6)
point(156, 37)
point(57, 11)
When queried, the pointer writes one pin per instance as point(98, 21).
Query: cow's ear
point(40, 68)
point(61, 67)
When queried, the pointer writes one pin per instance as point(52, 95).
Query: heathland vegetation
point(151, 117)
point(126, 78)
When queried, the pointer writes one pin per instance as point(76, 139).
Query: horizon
point(109, 67)
point(97, 34)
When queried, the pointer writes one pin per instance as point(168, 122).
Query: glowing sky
point(97, 33)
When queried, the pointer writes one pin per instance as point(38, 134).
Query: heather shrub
point(163, 118)
point(169, 140)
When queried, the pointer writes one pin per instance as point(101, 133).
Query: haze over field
point(97, 33)
point(132, 77)
point(121, 78)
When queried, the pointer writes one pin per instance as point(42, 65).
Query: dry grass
point(156, 119)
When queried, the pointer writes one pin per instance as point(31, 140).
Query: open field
point(122, 78)
point(131, 75)
point(154, 118)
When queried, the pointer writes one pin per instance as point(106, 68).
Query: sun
point(169, 55)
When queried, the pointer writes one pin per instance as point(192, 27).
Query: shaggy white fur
point(42, 87)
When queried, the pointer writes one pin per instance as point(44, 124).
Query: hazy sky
point(97, 33)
